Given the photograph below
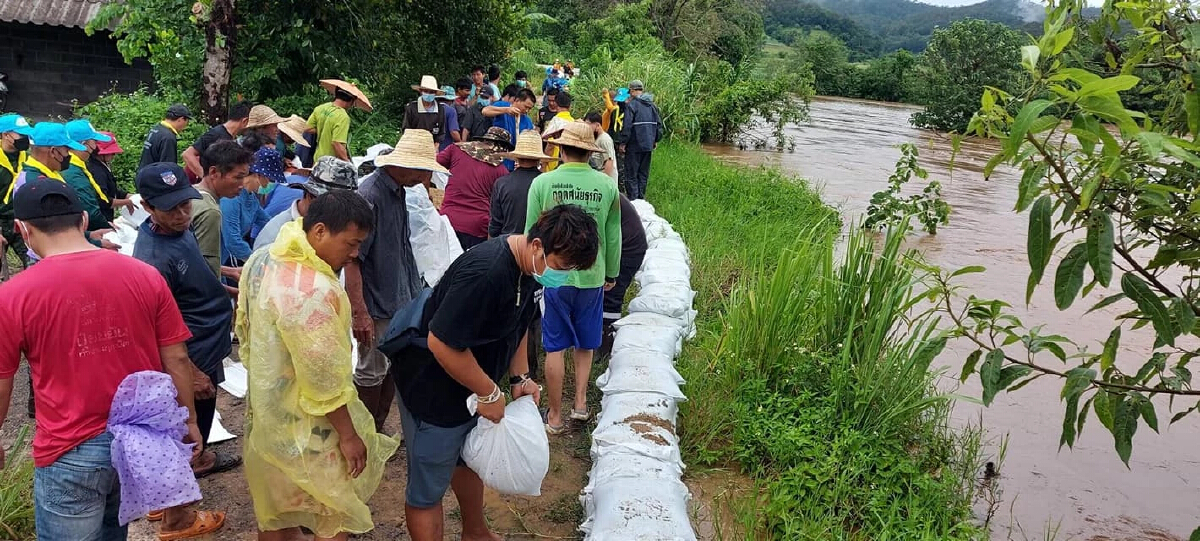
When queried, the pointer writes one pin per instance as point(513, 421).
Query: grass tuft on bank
point(810, 371)
point(16, 490)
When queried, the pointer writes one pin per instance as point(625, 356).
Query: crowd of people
point(263, 235)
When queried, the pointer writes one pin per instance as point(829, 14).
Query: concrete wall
point(49, 66)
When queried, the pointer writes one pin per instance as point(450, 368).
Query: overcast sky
point(1096, 3)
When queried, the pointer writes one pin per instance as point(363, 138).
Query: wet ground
point(849, 148)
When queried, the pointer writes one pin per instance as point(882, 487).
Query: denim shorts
point(573, 317)
point(433, 454)
point(78, 496)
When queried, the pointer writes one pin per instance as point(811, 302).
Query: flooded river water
point(848, 149)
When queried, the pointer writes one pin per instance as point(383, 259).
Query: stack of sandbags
point(634, 490)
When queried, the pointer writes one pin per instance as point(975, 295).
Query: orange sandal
point(155, 516)
point(206, 522)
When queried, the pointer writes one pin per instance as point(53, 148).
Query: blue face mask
point(549, 277)
point(485, 102)
point(428, 98)
point(521, 83)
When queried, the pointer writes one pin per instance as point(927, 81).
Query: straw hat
point(576, 134)
point(428, 82)
point(360, 99)
point(415, 150)
point(529, 147)
point(261, 115)
point(294, 126)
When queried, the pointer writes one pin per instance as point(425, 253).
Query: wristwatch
point(517, 380)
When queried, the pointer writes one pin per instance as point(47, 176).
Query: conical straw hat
point(360, 99)
point(576, 134)
point(529, 147)
point(261, 115)
point(295, 126)
point(415, 150)
point(428, 82)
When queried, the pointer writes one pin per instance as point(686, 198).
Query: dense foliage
point(805, 371)
point(889, 209)
point(1115, 192)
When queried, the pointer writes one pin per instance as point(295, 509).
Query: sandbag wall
point(634, 490)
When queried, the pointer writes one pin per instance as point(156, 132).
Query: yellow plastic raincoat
point(293, 321)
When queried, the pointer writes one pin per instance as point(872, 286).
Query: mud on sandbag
point(640, 509)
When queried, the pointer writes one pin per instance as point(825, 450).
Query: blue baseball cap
point(622, 94)
point(81, 130)
point(53, 134)
point(15, 122)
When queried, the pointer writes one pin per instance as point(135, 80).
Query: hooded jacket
point(643, 124)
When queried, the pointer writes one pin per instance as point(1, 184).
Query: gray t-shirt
point(271, 230)
point(597, 159)
point(389, 272)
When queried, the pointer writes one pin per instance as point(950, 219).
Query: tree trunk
point(219, 34)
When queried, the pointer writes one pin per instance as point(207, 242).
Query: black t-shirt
point(483, 303)
point(475, 122)
point(633, 235)
point(510, 199)
point(201, 298)
point(544, 116)
point(214, 134)
point(161, 146)
point(107, 183)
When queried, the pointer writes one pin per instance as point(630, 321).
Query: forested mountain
point(872, 27)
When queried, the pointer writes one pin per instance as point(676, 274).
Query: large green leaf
point(1109, 86)
point(1025, 118)
point(1031, 179)
point(1109, 355)
point(1100, 247)
point(1151, 306)
point(1125, 420)
point(1037, 245)
point(1069, 277)
point(989, 375)
point(969, 365)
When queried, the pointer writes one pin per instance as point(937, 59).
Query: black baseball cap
point(36, 199)
point(178, 110)
point(164, 185)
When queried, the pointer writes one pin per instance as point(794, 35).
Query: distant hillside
point(872, 27)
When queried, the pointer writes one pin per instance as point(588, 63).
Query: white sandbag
point(637, 438)
point(640, 510)
point(631, 357)
point(666, 265)
point(124, 236)
point(434, 244)
point(674, 300)
point(652, 408)
point(621, 466)
point(649, 319)
point(512, 456)
point(658, 229)
point(669, 254)
point(668, 243)
point(657, 276)
point(644, 378)
point(440, 180)
point(660, 340)
point(643, 208)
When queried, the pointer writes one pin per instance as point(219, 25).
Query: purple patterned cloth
point(152, 462)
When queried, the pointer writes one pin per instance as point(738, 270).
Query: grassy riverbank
point(806, 373)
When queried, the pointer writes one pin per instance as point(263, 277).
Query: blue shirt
point(282, 198)
point(451, 125)
point(509, 123)
point(201, 298)
point(240, 216)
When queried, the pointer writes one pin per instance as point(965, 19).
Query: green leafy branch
point(889, 208)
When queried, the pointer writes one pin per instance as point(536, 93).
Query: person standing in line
point(243, 214)
point(313, 455)
point(640, 135)
point(605, 161)
point(328, 175)
point(474, 323)
point(494, 77)
point(453, 118)
point(122, 320)
point(573, 315)
point(98, 166)
point(512, 114)
point(633, 253)
point(474, 168)
point(478, 81)
point(384, 277)
point(521, 79)
point(473, 122)
point(14, 147)
point(425, 113)
point(239, 117)
point(331, 121)
point(560, 106)
point(80, 178)
point(226, 166)
point(162, 142)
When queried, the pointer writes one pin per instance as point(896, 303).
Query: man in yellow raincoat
point(313, 457)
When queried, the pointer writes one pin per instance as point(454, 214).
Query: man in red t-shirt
point(85, 318)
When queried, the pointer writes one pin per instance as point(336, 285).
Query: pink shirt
point(468, 200)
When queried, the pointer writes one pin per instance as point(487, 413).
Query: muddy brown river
point(848, 149)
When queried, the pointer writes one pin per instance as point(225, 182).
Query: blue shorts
point(573, 318)
point(433, 454)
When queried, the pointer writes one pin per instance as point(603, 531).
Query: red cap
point(110, 147)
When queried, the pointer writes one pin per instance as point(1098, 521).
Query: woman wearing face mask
point(474, 323)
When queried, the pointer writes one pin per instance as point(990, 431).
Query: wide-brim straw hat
point(428, 82)
point(529, 147)
point(261, 115)
point(360, 99)
point(294, 126)
point(415, 150)
point(575, 134)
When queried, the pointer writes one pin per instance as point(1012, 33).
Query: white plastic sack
point(669, 254)
point(640, 510)
point(650, 408)
point(434, 244)
point(664, 340)
point(668, 243)
point(440, 180)
point(643, 378)
point(122, 235)
point(512, 456)
point(685, 323)
point(643, 208)
point(620, 466)
point(674, 300)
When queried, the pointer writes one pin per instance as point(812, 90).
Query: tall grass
point(811, 372)
point(16, 491)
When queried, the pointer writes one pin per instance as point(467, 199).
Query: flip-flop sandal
point(155, 516)
point(206, 522)
point(577, 415)
point(222, 463)
point(551, 429)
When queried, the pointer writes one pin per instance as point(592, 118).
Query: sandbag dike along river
point(848, 149)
